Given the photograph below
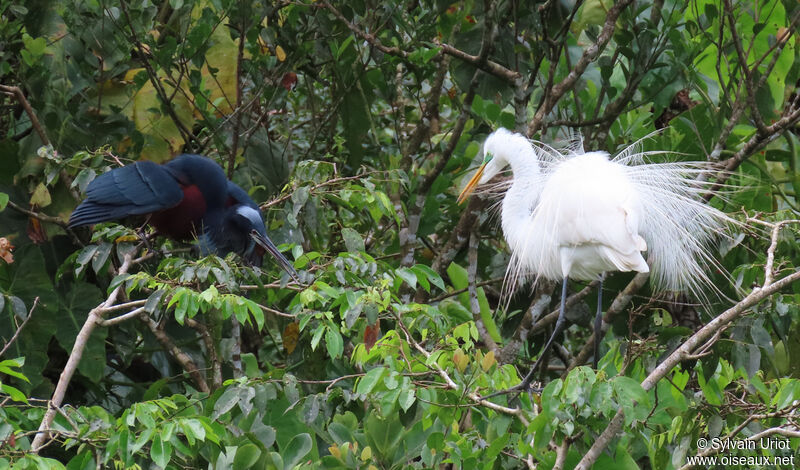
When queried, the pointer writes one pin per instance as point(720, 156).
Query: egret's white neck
point(522, 196)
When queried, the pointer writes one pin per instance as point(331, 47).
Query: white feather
point(577, 214)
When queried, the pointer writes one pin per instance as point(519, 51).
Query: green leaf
point(225, 402)
point(246, 456)
point(334, 343)
point(407, 398)
point(458, 276)
point(408, 276)
point(3, 201)
point(340, 433)
point(7, 367)
point(83, 461)
point(101, 256)
point(352, 240)
point(383, 434)
point(431, 275)
point(154, 301)
point(295, 450)
point(256, 312)
point(160, 451)
point(41, 196)
point(368, 382)
point(195, 428)
point(83, 179)
point(632, 397)
point(787, 393)
point(13, 392)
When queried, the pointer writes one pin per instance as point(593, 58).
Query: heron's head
point(247, 223)
point(496, 149)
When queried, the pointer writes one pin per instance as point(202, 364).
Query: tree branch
point(93, 320)
point(685, 351)
point(183, 359)
point(590, 54)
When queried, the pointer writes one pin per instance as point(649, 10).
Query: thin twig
point(589, 55)
point(183, 359)
point(122, 318)
point(453, 386)
point(19, 329)
point(17, 93)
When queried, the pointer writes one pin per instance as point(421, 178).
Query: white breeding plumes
point(576, 214)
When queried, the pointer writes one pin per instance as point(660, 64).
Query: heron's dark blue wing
point(140, 188)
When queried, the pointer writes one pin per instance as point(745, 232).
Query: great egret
point(575, 214)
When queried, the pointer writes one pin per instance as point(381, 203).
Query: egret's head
point(495, 150)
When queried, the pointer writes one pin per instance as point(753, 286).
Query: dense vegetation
point(352, 124)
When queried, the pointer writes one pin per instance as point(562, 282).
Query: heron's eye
point(487, 157)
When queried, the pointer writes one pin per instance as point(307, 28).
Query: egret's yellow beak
point(471, 185)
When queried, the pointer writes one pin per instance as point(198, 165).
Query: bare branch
point(183, 359)
point(17, 93)
point(92, 321)
point(590, 54)
point(122, 318)
point(748, 74)
point(486, 65)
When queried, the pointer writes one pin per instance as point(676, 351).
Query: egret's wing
point(678, 224)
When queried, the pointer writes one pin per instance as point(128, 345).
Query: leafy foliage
point(352, 124)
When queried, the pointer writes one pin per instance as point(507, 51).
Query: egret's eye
point(487, 157)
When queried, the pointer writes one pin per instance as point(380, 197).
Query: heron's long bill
point(267, 244)
point(471, 185)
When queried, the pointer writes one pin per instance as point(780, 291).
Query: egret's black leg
point(559, 326)
point(598, 322)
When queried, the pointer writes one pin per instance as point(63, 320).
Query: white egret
point(575, 214)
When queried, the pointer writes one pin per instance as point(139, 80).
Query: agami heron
point(575, 214)
point(185, 198)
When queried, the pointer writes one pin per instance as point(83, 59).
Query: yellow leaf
point(366, 454)
point(41, 196)
point(262, 44)
point(460, 360)
point(126, 238)
point(280, 53)
point(290, 335)
point(488, 361)
point(335, 452)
